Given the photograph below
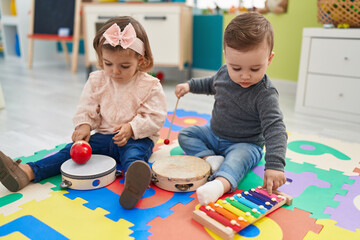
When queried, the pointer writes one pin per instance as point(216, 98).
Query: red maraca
point(80, 152)
point(167, 141)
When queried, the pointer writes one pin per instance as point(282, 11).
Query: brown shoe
point(137, 180)
point(11, 175)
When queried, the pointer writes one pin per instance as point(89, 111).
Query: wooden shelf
point(19, 26)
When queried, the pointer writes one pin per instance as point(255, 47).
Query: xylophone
point(232, 214)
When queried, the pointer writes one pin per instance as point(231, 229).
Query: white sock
point(210, 192)
point(215, 162)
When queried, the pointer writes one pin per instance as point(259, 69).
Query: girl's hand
point(182, 89)
point(124, 133)
point(82, 132)
point(273, 179)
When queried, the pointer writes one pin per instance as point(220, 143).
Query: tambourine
point(98, 172)
point(180, 173)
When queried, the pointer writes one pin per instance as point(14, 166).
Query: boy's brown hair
point(246, 31)
point(122, 22)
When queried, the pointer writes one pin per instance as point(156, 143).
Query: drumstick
point(167, 141)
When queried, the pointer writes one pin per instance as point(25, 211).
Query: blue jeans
point(240, 157)
point(140, 149)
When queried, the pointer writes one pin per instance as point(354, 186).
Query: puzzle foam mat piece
point(15, 236)
point(41, 154)
point(299, 181)
point(324, 153)
point(39, 230)
point(315, 199)
point(264, 229)
point(314, 148)
point(56, 180)
point(164, 135)
point(330, 231)
point(9, 198)
point(177, 151)
point(164, 215)
point(182, 119)
point(251, 179)
point(163, 151)
point(108, 200)
point(295, 224)
point(15, 200)
point(179, 225)
point(185, 119)
point(61, 216)
point(347, 214)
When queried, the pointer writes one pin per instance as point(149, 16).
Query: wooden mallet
point(167, 141)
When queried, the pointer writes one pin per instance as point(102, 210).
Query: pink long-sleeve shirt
point(140, 102)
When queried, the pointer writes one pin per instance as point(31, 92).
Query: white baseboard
point(285, 85)
point(197, 73)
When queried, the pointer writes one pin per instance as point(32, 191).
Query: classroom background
point(45, 62)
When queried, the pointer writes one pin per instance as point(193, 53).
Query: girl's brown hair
point(122, 22)
point(246, 31)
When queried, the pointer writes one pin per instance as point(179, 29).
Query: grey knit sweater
point(246, 114)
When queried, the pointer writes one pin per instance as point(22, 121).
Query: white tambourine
point(98, 172)
point(180, 173)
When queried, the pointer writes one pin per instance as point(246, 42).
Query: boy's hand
point(182, 89)
point(273, 179)
point(82, 132)
point(125, 132)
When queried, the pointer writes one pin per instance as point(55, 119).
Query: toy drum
point(98, 172)
point(180, 173)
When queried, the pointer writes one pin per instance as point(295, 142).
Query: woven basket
point(339, 12)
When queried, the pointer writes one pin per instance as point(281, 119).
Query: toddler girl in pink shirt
point(123, 105)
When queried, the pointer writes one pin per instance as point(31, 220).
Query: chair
point(46, 17)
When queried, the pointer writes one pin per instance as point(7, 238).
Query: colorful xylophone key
point(262, 197)
point(250, 204)
point(239, 211)
point(264, 192)
point(220, 218)
point(246, 215)
point(253, 199)
point(229, 215)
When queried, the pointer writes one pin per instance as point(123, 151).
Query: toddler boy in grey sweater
point(246, 114)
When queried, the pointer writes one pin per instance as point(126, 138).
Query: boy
point(246, 113)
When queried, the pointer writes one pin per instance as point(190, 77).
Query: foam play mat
point(323, 179)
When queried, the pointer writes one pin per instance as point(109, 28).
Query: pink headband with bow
point(126, 39)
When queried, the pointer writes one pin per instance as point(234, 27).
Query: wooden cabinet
point(329, 74)
point(168, 26)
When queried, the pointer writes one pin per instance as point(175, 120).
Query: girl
point(124, 106)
